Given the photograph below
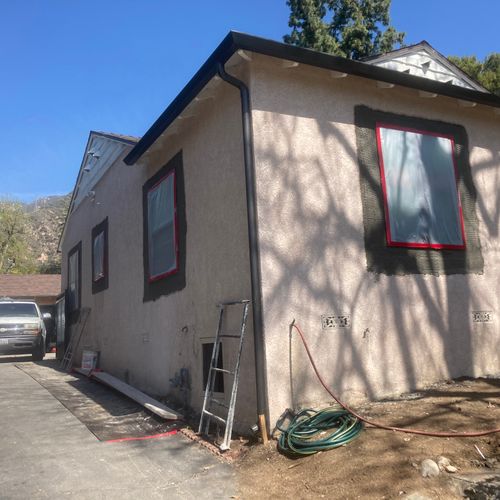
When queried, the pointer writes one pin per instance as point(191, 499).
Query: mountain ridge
point(30, 233)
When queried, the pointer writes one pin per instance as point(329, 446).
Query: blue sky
point(68, 67)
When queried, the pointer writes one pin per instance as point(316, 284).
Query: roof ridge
point(115, 135)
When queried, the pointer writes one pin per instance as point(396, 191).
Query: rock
point(443, 462)
point(429, 468)
point(450, 468)
point(478, 485)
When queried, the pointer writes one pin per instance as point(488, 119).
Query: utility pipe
point(255, 275)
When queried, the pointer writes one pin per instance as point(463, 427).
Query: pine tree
point(487, 73)
point(348, 28)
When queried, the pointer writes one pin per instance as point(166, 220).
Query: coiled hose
point(311, 431)
point(378, 424)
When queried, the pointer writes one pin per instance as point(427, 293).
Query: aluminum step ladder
point(207, 413)
point(74, 341)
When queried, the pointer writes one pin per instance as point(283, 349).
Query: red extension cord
point(376, 424)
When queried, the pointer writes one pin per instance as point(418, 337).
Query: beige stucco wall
point(148, 343)
point(407, 331)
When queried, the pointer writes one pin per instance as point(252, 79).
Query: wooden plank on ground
point(139, 397)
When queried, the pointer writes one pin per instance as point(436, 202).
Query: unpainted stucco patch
point(400, 261)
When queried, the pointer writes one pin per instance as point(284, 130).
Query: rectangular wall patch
point(335, 321)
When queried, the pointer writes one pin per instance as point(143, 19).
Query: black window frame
point(102, 283)
point(71, 307)
point(176, 281)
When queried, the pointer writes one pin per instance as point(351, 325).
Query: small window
point(162, 228)
point(74, 278)
point(100, 257)
point(207, 358)
point(421, 199)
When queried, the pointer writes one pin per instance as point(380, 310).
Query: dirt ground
point(386, 464)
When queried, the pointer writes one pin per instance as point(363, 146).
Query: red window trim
point(176, 228)
point(104, 270)
point(390, 241)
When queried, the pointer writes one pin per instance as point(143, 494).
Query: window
point(100, 257)
point(162, 230)
point(418, 196)
point(421, 202)
point(74, 277)
point(18, 310)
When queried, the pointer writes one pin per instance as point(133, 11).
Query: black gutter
point(235, 41)
point(253, 235)
point(357, 68)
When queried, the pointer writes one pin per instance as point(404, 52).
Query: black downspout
point(258, 322)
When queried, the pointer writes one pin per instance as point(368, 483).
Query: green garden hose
point(311, 431)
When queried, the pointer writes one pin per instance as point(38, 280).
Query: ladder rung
point(233, 303)
point(220, 403)
point(229, 336)
point(220, 419)
point(222, 370)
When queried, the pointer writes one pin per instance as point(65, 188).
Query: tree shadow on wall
point(315, 263)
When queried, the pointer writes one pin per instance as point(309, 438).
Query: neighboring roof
point(235, 41)
point(30, 285)
point(425, 61)
point(101, 151)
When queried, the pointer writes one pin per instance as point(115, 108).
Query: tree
point(347, 28)
point(15, 254)
point(487, 73)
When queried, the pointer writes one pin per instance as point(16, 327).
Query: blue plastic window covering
point(420, 189)
point(161, 228)
point(98, 249)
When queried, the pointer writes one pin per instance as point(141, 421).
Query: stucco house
point(359, 198)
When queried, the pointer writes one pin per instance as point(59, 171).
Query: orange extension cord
point(376, 424)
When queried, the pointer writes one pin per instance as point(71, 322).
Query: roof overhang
point(235, 41)
point(433, 54)
point(122, 139)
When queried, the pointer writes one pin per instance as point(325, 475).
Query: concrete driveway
point(46, 452)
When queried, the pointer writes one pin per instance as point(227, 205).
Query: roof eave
point(117, 137)
point(71, 201)
point(235, 41)
point(92, 133)
point(221, 54)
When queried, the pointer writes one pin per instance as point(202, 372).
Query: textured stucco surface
point(147, 343)
point(405, 331)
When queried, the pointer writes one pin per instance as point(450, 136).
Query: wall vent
point(482, 316)
point(329, 321)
